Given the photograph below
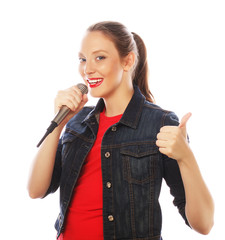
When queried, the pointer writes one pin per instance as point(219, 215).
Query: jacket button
point(107, 154)
point(114, 128)
point(110, 218)
point(108, 184)
point(60, 223)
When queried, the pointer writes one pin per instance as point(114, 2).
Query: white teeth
point(94, 81)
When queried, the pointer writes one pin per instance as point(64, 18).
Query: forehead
point(95, 41)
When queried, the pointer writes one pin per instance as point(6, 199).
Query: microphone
point(62, 113)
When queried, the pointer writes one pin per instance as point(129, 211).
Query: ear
point(128, 61)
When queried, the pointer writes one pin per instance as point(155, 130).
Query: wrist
point(187, 160)
point(58, 130)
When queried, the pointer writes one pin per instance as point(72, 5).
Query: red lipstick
point(95, 82)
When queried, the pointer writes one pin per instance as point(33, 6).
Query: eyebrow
point(94, 52)
point(100, 51)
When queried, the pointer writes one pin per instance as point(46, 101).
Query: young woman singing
point(111, 158)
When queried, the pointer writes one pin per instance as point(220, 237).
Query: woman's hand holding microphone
point(67, 103)
point(74, 98)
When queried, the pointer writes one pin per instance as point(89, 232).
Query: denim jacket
point(132, 168)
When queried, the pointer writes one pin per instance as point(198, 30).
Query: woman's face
point(100, 65)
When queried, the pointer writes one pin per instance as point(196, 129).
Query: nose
point(88, 68)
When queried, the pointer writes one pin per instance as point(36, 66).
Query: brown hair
point(126, 42)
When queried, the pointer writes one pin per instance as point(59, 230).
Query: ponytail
point(140, 75)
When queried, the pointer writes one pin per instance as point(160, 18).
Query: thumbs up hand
point(172, 140)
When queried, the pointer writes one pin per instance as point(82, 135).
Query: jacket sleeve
point(56, 175)
point(171, 172)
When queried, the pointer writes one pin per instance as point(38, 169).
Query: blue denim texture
point(131, 162)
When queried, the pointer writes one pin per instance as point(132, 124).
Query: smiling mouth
point(94, 82)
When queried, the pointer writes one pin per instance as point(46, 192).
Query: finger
point(80, 97)
point(168, 129)
point(83, 102)
point(161, 143)
point(163, 150)
point(77, 90)
point(78, 105)
point(70, 101)
point(164, 136)
point(69, 97)
point(184, 120)
point(84, 98)
point(75, 98)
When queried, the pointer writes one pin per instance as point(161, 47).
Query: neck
point(116, 105)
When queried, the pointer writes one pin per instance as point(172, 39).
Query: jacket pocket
point(139, 163)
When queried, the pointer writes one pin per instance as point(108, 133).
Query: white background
point(38, 56)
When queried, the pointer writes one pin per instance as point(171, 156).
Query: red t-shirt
point(84, 220)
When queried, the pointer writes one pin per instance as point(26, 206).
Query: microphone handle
point(62, 113)
point(64, 110)
point(52, 126)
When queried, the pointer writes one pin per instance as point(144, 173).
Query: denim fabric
point(131, 162)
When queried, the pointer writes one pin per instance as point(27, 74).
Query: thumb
point(184, 120)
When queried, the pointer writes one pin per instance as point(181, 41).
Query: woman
point(110, 161)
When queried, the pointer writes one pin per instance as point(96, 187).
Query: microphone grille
point(83, 88)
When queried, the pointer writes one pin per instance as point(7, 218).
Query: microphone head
point(83, 88)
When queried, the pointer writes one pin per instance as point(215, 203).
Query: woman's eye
point(100, 58)
point(82, 60)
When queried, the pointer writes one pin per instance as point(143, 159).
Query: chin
point(95, 93)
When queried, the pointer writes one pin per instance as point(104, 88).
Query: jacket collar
point(133, 111)
point(131, 114)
